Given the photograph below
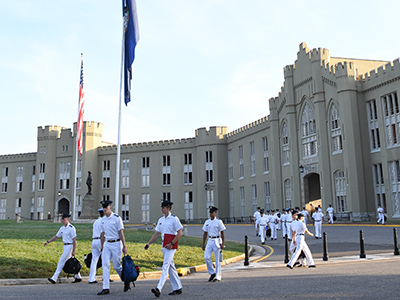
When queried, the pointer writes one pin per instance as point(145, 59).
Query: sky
point(198, 63)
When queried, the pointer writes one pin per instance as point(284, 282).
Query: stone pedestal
point(89, 208)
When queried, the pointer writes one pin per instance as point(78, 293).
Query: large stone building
point(332, 137)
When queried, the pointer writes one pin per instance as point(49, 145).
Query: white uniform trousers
point(301, 245)
point(273, 230)
point(96, 253)
point(111, 251)
point(318, 228)
point(262, 232)
point(284, 230)
point(64, 257)
point(292, 250)
point(168, 268)
point(330, 218)
point(213, 245)
point(381, 218)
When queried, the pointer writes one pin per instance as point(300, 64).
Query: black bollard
point(286, 249)
point(246, 251)
point(396, 245)
point(362, 252)
point(325, 243)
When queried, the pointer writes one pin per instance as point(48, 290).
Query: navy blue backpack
point(130, 272)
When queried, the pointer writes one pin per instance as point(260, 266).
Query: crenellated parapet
point(252, 126)
point(49, 132)
point(345, 69)
point(18, 157)
point(383, 75)
point(149, 145)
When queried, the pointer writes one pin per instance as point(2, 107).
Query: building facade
point(332, 136)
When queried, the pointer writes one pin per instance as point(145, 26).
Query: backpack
point(88, 261)
point(130, 272)
point(72, 266)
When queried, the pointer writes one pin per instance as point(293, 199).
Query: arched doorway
point(63, 206)
point(312, 191)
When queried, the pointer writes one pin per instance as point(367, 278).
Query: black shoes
point(156, 292)
point(126, 286)
point(51, 280)
point(77, 280)
point(312, 266)
point(216, 280)
point(176, 292)
point(91, 282)
point(289, 266)
point(211, 277)
point(104, 292)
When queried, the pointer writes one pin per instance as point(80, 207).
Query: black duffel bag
point(72, 266)
point(88, 261)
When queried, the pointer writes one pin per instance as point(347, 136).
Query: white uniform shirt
point(380, 210)
point(214, 227)
point(317, 216)
point(256, 215)
point(68, 233)
point(169, 225)
point(262, 221)
point(299, 227)
point(274, 219)
point(111, 226)
point(97, 228)
point(305, 213)
point(330, 210)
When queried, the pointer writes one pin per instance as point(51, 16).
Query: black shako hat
point(65, 215)
point(166, 203)
point(213, 208)
point(106, 203)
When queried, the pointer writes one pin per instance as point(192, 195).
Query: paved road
point(374, 279)
point(340, 278)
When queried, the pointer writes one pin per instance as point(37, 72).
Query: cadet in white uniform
point(381, 215)
point(329, 212)
point(112, 245)
point(283, 224)
point(167, 224)
point(273, 223)
point(318, 217)
point(305, 213)
point(299, 239)
point(289, 220)
point(68, 234)
point(278, 214)
point(256, 215)
point(261, 223)
point(96, 247)
point(213, 229)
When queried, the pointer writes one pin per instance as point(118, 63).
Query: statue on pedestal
point(89, 183)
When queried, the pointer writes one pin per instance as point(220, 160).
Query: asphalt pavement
point(344, 276)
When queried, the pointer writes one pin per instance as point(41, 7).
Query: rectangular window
point(209, 199)
point(125, 207)
point(64, 174)
point(288, 193)
point(146, 207)
point(394, 173)
point(106, 176)
point(340, 187)
point(125, 173)
point(379, 186)
point(254, 196)
point(188, 199)
point(209, 167)
point(20, 171)
point(242, 202)
point(145, 171)
point(267, 193)
point(372, 115)
point(391, 119)
point(3, 209)
point(265, 154)
point(42, 169)
point(166, 171)
point(187, 169)
point(79, 174)
point(166, 196)
point(241, 163)
point(231, 204)
point(252, 159)
point(4, 180)
point(230, 165)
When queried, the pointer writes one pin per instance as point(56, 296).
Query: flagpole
point(119, 127)
point(76, 154)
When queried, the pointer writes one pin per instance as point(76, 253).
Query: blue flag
point(131, 38)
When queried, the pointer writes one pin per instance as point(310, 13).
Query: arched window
point(336, 131)
point(308, 132)
point(340, 189)
point(285, 145)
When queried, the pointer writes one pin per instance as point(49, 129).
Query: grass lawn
point(22, 254)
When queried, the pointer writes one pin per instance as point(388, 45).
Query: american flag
point(81, 110)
